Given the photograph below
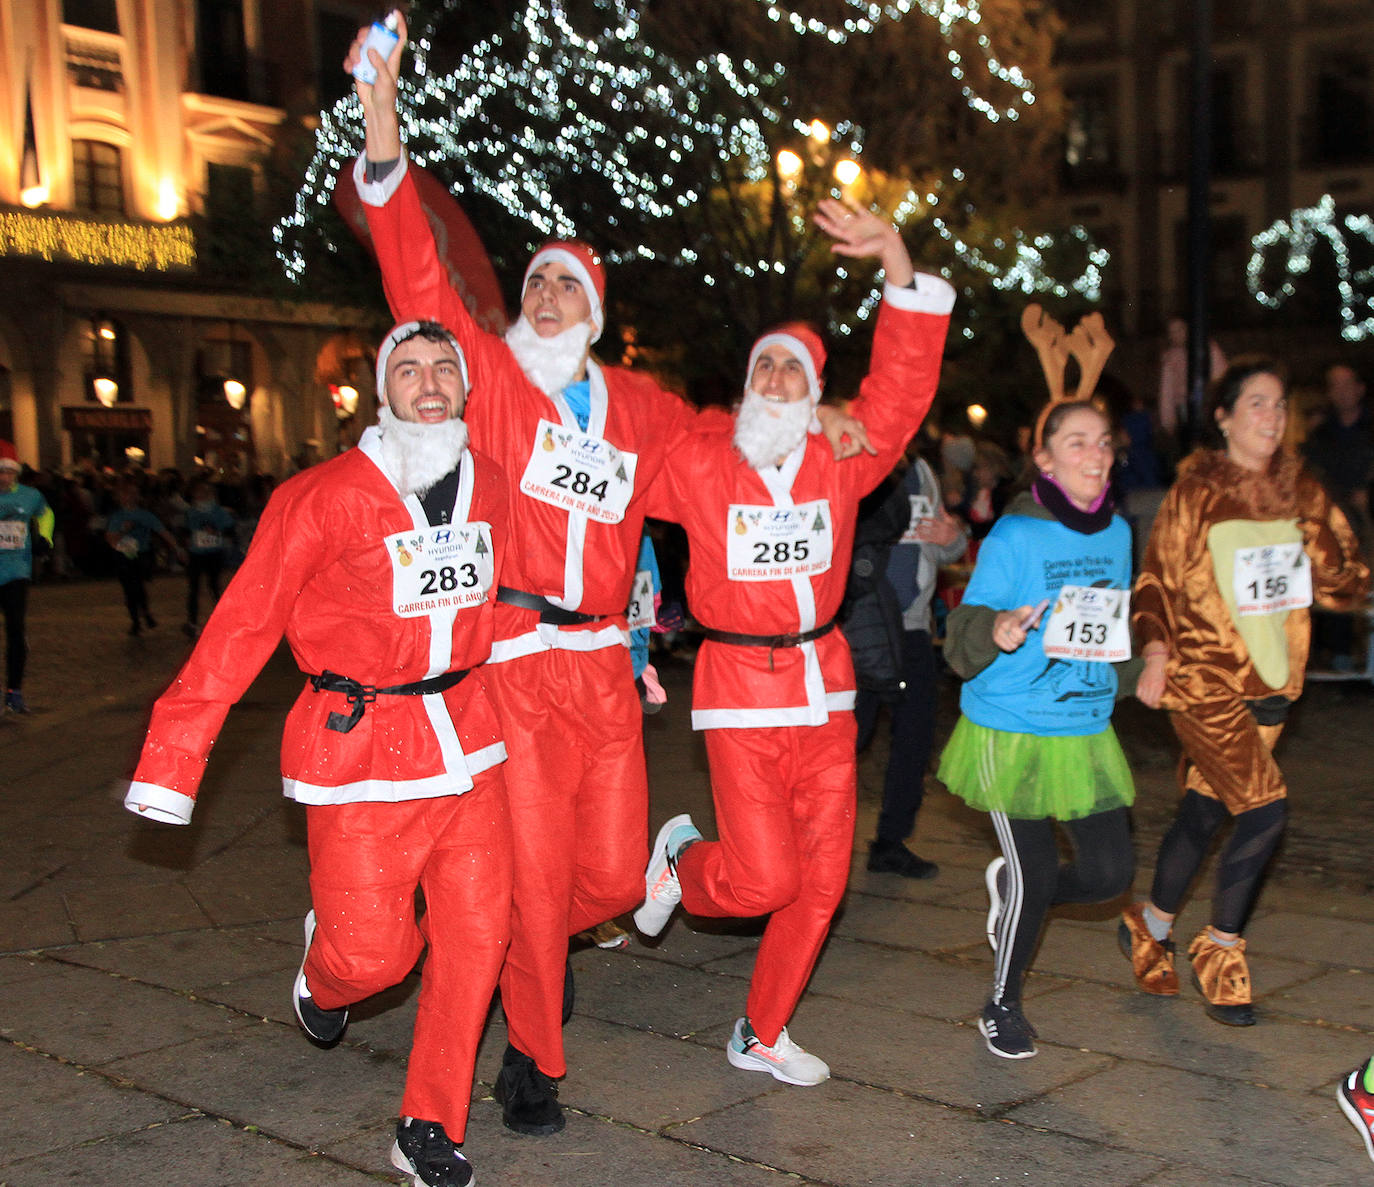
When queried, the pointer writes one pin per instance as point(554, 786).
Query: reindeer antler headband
point(1089, 343)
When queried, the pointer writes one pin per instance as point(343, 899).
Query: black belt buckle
point(344, 723)
point(359, 697)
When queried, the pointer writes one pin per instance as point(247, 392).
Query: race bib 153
point(1088, 623)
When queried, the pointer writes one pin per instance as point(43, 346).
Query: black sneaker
point(892, 857)
point(528, 1098)
point(1007, 1032)
point(423, 1150)
point(324, 1026)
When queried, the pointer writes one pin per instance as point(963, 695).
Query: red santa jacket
point(578, 560)
point(320, 571)
point(759, 538)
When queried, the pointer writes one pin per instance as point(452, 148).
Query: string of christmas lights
point(543, 103)
point(1301, 234)
point(949, 15)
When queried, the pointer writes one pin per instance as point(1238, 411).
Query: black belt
point(772, 642)
point(548, 612)
point(361, 695)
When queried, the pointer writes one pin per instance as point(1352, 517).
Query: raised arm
point(383, 140)
point(908, 341)
point(417, 284)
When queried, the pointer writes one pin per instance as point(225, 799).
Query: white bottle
point(382, 37)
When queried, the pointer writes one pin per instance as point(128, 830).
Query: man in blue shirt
point(21, 509)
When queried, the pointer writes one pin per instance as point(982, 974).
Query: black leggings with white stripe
point(1102, 867)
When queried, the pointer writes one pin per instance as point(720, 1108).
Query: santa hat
point(9, 456)
point(799, 340)
point(402, 333)
point(584, 263)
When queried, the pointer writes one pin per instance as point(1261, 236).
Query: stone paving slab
point(1209, 1122)
point(846, 1134)
point(268, 1075)
point(912, 981)
point(1341, 997)
point(696, 942)
point(928, 1059)
point(656, 996)
point(52, 1106)
point(39, 919)
point(906, 925)
point(91, 1018)
point(1175, 1032)
point(670, 1081)
point(197, 1150)
point(129, 908)
point(1343, 943)
point(597, 1151)
point(197, 961)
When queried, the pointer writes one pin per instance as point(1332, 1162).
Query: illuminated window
point(92, 14)
point(104, 356)
point(97, 177)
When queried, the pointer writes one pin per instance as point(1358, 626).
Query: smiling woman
point(1244, 543)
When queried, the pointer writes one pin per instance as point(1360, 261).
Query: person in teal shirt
point(129, 530)
point(22, 511)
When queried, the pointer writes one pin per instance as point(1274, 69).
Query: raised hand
point(861, 234)
point(379, 98)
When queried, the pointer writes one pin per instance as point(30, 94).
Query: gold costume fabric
point(1180, 601)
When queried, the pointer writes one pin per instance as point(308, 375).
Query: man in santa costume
point(580, 443)
point(379, 566)
point(770, 517)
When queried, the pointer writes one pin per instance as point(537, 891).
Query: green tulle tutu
point(1030, 776)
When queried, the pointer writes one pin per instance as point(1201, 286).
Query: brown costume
point(1212, 678)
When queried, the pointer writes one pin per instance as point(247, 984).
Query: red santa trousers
point(366, 860)
point(784, 801)
point(579, 803)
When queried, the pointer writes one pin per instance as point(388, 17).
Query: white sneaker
point(662, 891)
point(995, 867)
point(784, 1060)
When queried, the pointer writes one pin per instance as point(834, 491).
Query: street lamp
point(820, 153)
point(106, 390)
point(345, 399)
point(235, 393)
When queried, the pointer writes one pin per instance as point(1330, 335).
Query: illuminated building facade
point(137, 141)
point(1292, 122)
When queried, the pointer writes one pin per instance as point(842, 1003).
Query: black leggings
point(1102, 867)
point(132, 573)
point(14, 602)
point(1239, 868)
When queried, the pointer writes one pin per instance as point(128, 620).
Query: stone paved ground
point(146, 1034)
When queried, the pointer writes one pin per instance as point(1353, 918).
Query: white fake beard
point(549, 363)
point(766, 431)
point(418, 455)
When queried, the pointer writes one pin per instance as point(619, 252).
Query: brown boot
point(1151, 961)
point(1223, 978)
